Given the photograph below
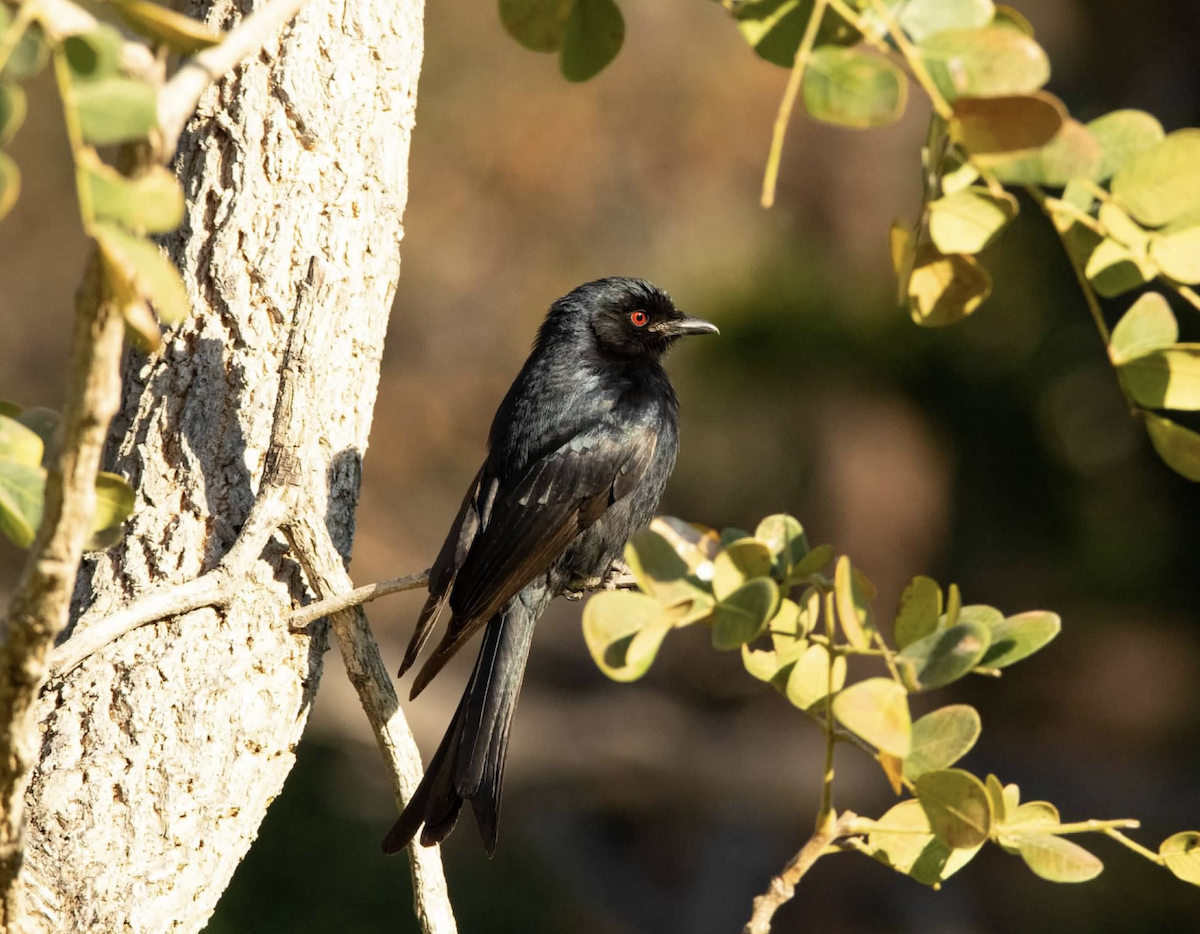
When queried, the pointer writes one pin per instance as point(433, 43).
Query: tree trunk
point(162, 751)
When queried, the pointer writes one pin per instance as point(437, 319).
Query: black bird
point(578, 455)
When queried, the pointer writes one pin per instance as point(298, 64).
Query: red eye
point(638, 319)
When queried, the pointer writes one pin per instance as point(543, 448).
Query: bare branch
point(356, 597)
point(783, 886)
point(41, 603)
point(177, 99)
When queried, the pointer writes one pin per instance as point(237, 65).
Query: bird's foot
point(617, 576)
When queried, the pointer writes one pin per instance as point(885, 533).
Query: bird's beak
point(686, 324)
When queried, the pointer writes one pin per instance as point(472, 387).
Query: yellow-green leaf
point(13, 107)
point(115, 110)
point(809, 679)
point(18, 443)
point(593, 37)
point(1162, 183)
point(150, 203)
point(920, 607)
point(140, 269)
point(922, 18)
point(10, 183)
point(1179, 447)
point(774, 28)
point(1122, 134)
point(1166, 379)
point(854, 89)
point(969, 220)
point(877, 710)
point(114, 503)
point(22, 488)
point(905, 841)
point(1113, 269)
point(1177, 254)
point(941, 738)
point(988, 62)
point(1148, 325)
point(1058, 860)
point(958, 807)
point(1182, 854)
point(996, 130)
point(1073, 153)
point(1019, 636)
point(945, 288)
point(177, 32)
point(611, 620)
point(944, 656)
point(742, 615)
point(95, 54)
point(739, 562)
point(853, 594)
point(538, 25)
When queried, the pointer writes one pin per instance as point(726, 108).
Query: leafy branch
point(769, 596)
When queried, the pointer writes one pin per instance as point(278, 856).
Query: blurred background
point(996, 453)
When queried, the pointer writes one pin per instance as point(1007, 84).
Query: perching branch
point(177, 99)
point(783, 886)
point(39, 608)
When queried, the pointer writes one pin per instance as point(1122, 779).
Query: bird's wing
point(531, 524)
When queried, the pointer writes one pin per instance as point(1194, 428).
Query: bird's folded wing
point(532, 523)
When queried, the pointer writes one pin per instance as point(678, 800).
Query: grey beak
point(686, 324)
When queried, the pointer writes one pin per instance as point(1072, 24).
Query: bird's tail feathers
point(425, 623)
point(469, 763)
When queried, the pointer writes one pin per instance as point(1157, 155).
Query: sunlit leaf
point(697, 545)
point(1113, 269)
point(988, 62)
point(539, 25)
point(774, 28)
point(902, 246)
point(594, 35)
point(853, 594)
point(760, 663)
point(116, 110)
point(743, 614)
point(22, 488)
point(177, 32)
point(1058, 860)
point(611, 620)
point(29, 56)
point(921, 18)
point(142, 269)
point(877, 710)
point(788, 631)
point(941, 738)
point(18, 443)
point(907, 844)
point(945, 288)
point(1020, 636)
point(996, 795)
point(114, 503)
point(150, 203)
point(809, 679)
point(1182, 854)
point(10, 183)
point(1121, 227)
point(1177, 254)
point(1179, 447)
point(812, 562)
point(95, 54)
point(1162, 183)
point(969, 220)
point(996, 130)
point(1166, 379)
point(739, 562)
point(920, 607)
point(958, 807)
point(850, 88)
point(1008, 18)
point(13, 108)
point(784, 536)
point(944, 656)
point(1122, 134)
point(1073, 153)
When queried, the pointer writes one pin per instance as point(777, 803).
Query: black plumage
point(578, 455)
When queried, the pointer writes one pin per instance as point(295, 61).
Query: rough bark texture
point(161, 753)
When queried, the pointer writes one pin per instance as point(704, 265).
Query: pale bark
point(162, 750)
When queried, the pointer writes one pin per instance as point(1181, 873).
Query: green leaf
point(920, 607)
point(996, 795)
point(19, 444)
point(739, 562)
point(594, 35)
point(789, 627)
point(996, 130)
point(13, 107)
point(114, 503)
point(941, 738)
point(611, 620)
point(979, 613)
point(142, 270)
point(877, 710)
point(1033, 816)
point(943, 657)
point(11, 409)
point(785, 539)
point(1166, 379)
point(774, 28)
point(761, 664)
point(696, 545)
point(731, 535)
point(10, 183)
point(988, 62)
point(1073, 153)
point(1162, 183)
point(908, 845)
point(812, 562)
point(1177, 254)
point(969, 220)
point(22, 488)
point(1179, 447)
point(958, 807)
point(853, 594)
point(1058, 860)
point(1122, 134)
point(44, 423)
point(29, 56)
point(1113, 269)
point(1182, 853)
point(1123, 228)
point(922, 18)
point(808, 682)
point(1019, 637)
point(742, 615)
point(150, 203)
point(1148, 325)
point(539, 25)
point(653, 561)
point(1009, 18)
point(944, 288)
point(115, 110)
point(953, 608)
point(177, 32)
point(93, 55)
point(850, 88)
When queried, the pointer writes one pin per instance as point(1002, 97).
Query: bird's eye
point(638, 319)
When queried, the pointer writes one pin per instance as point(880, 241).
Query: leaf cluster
point(771, 596)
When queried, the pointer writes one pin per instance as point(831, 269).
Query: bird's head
point(627, 317)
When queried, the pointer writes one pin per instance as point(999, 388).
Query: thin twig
point(177, 99)
point(825, 815)
point(40, 605)
point(803, 51)
point(783, 886)
point(1135, 846)
point(356, 597)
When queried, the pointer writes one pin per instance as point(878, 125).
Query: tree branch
point(177, 99)
point(783, 886)
point(39, 608)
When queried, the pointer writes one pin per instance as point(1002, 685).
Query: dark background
point(996, 454)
